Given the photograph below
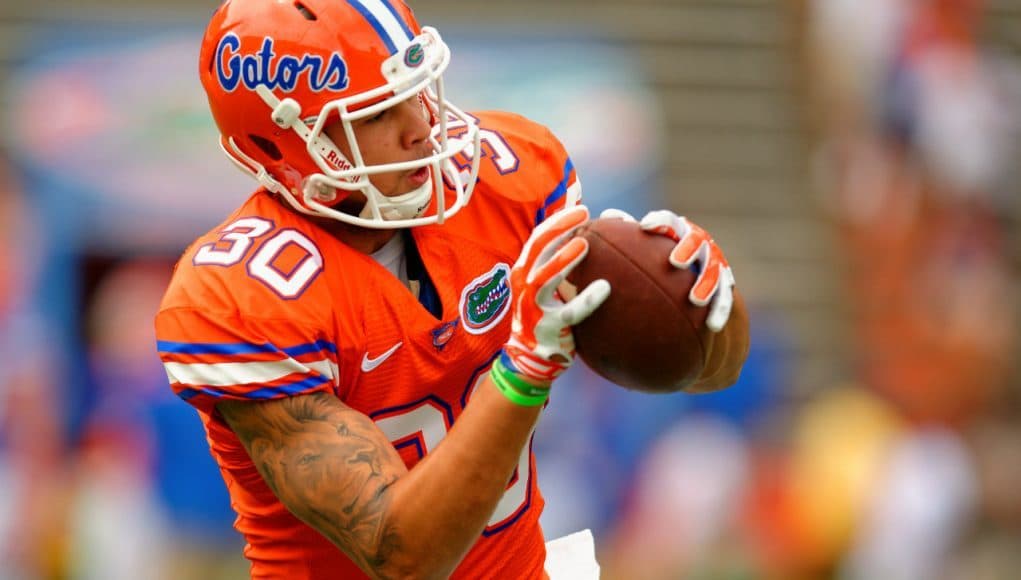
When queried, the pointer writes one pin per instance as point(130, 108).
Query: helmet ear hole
point(212, 63)
point(267, 147)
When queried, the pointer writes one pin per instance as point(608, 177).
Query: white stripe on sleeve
point(226, 374)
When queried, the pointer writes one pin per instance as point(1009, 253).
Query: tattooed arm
point(336, 471)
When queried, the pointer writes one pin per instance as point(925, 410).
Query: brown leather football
point(647, 336)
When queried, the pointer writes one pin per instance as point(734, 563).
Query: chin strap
point(399, 207)
point(250, 166)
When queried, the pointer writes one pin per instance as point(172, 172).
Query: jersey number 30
point(286, 262)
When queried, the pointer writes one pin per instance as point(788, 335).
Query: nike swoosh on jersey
point(369, 363)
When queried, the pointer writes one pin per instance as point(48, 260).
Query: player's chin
point(352, 204)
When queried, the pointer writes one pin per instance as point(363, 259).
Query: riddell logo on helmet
point(337, 161)
point(284, 72)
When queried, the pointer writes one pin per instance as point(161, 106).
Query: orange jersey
point(269, 305)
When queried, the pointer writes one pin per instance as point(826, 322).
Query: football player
point(368, 351)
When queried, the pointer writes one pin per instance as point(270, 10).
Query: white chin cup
point(399, 207)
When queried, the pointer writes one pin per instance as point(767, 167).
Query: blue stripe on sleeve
point(213, 348)
point(557, 193)
point(199, 348)
point(311, 347)
point(261, 394)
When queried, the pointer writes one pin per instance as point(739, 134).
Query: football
point(647, 336)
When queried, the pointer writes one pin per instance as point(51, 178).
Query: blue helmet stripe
point(404, 25)
point(386, 21)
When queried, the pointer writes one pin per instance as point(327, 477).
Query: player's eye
point(378, 116)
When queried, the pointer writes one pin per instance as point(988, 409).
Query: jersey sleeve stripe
point(200, 348)
point(243, 373)
point(231, 349)
point(559, 192)
point(317, 346)
point(289, 389)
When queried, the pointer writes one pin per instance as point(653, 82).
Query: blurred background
point(856, 159)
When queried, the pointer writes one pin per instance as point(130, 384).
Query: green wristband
point(516, 389)
point(520, 384)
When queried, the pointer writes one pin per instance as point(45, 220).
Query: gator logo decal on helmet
point(284, 72)
point(486, 300)
point(414, 56)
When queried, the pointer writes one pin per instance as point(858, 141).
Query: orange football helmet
point(276, 72)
